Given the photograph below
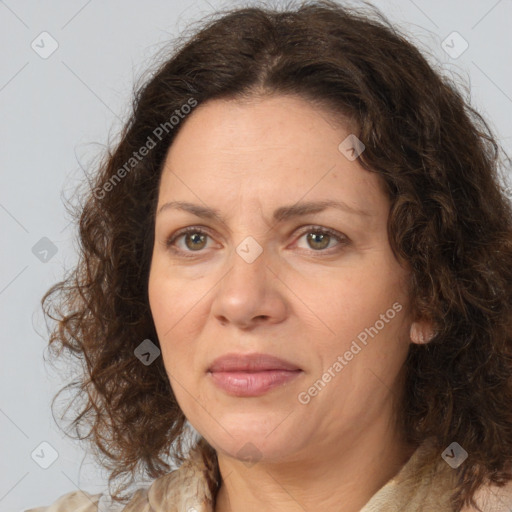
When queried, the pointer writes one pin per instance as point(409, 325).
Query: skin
point(299, 300)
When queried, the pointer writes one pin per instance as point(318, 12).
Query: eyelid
point(341, 238)
point(171, 239)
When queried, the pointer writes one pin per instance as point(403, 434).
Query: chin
point(252, 442)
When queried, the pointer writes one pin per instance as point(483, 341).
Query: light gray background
point(56, 115)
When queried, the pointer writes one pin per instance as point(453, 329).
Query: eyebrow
point(280, 214)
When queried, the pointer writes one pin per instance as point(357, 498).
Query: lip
point(251, 374)
point(250, 363)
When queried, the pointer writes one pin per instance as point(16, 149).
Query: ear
point(422, 332)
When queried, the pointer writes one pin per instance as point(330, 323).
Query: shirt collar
point(416, 487)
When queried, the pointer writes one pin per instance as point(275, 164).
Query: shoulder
point(80, 501)
point(185, 488)
point(77, 501)
point(492, 498)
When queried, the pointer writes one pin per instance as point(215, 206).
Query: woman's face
point(256, 275)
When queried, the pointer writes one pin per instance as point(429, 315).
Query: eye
point(319, 238)
point(195, 239)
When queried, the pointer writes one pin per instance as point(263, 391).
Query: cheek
point(369, 322)
point(166, 310)
point(169, 301)
point(354, 300)
point(176, 314)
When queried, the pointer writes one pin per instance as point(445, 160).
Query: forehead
point(276, 149)
point(270, 121)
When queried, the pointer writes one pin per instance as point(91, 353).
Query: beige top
point(415, 488)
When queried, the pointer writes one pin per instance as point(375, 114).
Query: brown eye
point(319, 238)
point(195, 239)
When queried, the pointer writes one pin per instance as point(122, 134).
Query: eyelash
point(169, 243)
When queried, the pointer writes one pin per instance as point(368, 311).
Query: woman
point(300, 247)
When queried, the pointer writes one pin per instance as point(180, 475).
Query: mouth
point(251, 374)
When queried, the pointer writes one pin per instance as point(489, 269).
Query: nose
point(249, 294)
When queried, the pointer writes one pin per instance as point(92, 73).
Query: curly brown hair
point(450, 220)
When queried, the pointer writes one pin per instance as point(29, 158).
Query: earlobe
point(421, 332)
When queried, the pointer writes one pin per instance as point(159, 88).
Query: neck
point(348, 473)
